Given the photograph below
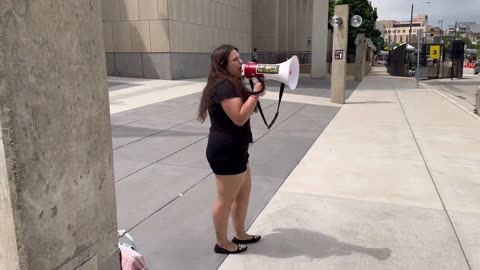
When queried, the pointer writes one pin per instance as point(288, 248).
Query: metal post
point(417, 71)
point(454, 38)
point(477, 104)
point(441, 31)
point(455, 31)
point(394, 32)
point(410, 31)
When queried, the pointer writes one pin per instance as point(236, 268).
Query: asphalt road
point(463, 89)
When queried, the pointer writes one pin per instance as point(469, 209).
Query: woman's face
point(234, 66)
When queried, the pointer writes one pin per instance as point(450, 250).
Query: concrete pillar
point(57, 199)
point(319, 38)
point(339, 55)
point(360, 57)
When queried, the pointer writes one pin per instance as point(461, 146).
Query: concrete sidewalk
point(164, 186)
point(390, 180)
point(393, 182)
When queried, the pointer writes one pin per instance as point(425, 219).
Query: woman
point(229, 108)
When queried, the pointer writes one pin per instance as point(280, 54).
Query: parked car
point(476, 69)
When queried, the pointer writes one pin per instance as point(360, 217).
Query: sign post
point(339, 59)
point(419, 42)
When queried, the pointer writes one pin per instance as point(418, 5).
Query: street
point(463, 90)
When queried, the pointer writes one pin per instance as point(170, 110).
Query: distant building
point(397, 32)
point(470, 30)
point(462, 29)
point(474, 33)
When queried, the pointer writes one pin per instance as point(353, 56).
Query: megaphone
point(286, 72)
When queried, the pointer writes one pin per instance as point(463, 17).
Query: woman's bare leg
point(228, 187)
point(240, 207)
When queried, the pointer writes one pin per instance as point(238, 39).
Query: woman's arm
point(239, 112)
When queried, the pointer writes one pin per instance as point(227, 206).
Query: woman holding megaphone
point(229, 106)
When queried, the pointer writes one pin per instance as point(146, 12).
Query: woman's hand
point(257, 87)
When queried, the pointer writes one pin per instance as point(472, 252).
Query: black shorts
point(226, 154)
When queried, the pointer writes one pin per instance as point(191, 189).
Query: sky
point(447, 10)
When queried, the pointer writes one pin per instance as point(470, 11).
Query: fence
point(304, 57)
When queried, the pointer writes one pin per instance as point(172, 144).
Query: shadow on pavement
point(287, 243)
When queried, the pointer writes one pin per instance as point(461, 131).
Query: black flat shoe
point(240, 248)
point(252, 240)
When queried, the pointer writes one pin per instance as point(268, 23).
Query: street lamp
point(411, 20)
point(441, 31)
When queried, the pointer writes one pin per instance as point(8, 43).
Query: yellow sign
point(435, 51)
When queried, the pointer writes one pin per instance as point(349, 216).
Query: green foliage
point(448, 40)
point(369, 14)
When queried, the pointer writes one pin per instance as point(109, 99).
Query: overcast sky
point(447, 10)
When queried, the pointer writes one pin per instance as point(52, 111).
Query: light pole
point(411, 21)
point(394, 32)
point(410, 30)
point(441, 31)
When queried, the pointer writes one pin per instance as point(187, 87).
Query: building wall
point(265, 25)
point(282, 25)
point(171, 39)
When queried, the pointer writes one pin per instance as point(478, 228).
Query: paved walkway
point(388, 181)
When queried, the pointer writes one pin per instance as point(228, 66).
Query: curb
point(452, 100)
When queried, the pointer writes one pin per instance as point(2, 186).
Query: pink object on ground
point(132, 260)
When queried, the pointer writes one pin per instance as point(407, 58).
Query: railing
point(304, 57)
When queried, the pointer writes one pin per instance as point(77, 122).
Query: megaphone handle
point(251, 85)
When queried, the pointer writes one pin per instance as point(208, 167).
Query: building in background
point(475, 34)
point(463, 29)
point(173, 39)
point(397, 32)
point(470, 30)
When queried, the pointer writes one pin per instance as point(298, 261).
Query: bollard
point(477, 104)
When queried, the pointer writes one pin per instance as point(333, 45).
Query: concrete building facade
point(172, 39)
point(280, 25)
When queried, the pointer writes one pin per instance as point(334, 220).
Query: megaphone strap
point(280, 95)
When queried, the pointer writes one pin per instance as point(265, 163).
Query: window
point(401, 39)
point(403, 31)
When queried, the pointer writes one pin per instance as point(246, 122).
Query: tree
point(369, 14)
point(448, 40)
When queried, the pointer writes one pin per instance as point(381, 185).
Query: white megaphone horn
point(286, 72)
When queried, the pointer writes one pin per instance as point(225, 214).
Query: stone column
point(360, 57)
point(339, 55)
point(319, 38)
point(57, 199)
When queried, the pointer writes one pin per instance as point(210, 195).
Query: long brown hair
point(218, 71)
